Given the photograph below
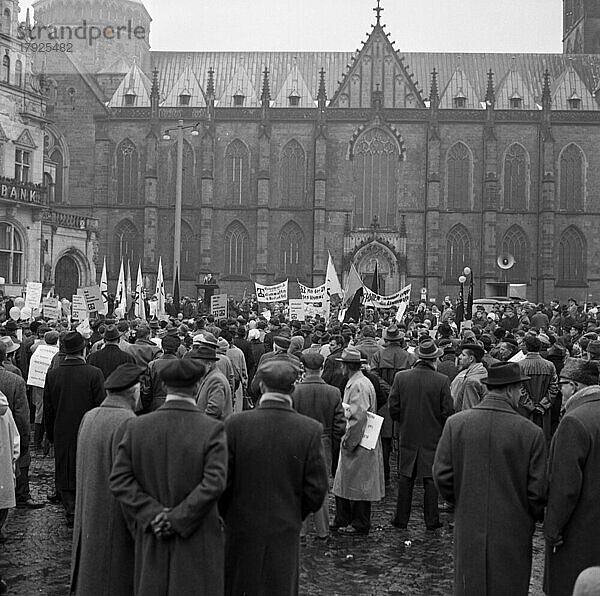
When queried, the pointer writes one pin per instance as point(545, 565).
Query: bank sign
point(17, 192)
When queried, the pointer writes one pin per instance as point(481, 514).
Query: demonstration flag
point(405, 292)
point(104, 289)
point(333, 283)
point(469, 313)
point(460, 309)
point(139, 308)
point(128, 291)
point(160, 291)
point(375, 290)
point(120, 298)
point(176, 299)
point(353, 294)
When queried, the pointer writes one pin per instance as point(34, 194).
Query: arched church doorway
point(377, 256)
point(66, 277)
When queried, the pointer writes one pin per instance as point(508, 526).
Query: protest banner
point(51, 308)
point(39, 365)
point(379, 301)
point(316, 300)
point(297, 310)
point(92, 296)
point(218, 306)
point(79, 310)
point(33, 295)
point(276, 293)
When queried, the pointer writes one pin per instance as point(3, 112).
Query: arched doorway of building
point(66, 277)
point(380, 256)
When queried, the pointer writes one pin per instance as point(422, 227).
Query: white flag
point(128, 290)
point(120, 297)
point(332, 280)
point(160, 291)
point(405, 301)
point(104, 289)
point(140, 310)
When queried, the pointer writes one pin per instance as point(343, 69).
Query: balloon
point(25, 313)
point(119, 313)
point(19, 302)
point(15, 313)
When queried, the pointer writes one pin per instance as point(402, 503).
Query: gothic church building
point(420, 163)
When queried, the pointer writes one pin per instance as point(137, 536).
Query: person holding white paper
point(359, 478)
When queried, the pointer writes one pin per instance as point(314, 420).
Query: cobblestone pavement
point(36, 555)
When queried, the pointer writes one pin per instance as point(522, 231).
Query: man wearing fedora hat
point(168, 474)
point(466, 388)
point(490, 464)
point(102, 556)
point(72, 389)
point(110, 356)
point(214, 396)
point(359, 478)
point(420, 402)
point(573, 514)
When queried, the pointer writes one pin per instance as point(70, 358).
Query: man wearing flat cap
point(573, 514)
point(110, 356)
point(102, 559)
point(273, 447)
point(420, 402)
point(72, 389)
point(314, 398)
point(490, 464)
point(169, 471)
point(466, 388)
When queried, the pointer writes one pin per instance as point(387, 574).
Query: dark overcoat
point(277, 476)
point(108, 358)
point(72, 389)
point(102, 556)
point(175, 457)
point(490, 463)
point(420, 402)
point(574, 493)
point(13, 386)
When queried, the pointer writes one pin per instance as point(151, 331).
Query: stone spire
point(546, 91)
point(322, 93)
point(210, 86)
point(154, 93)
point(378, 10)
point(265, 96)
point(490, 94)
point(434, 93)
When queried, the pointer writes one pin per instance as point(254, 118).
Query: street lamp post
point(178, 191)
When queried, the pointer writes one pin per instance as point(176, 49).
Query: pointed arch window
point(127, 173)
point(57, 160)
point(458, 180)
point(291, 250)
point(7, 24)
point(128, 245)
point(292, 167)
point(515, 243)
point(375, 162)
point(458, 253)
point(5, 75)
point(571, 258)
point(188, 191)
point(571, 179)
point(237, 173)
point(237, 251)
point(515, 178)
point(18, 73)
point(11, 254)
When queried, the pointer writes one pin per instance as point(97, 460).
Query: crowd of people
point(195, 456)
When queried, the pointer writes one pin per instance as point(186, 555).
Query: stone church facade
point(420, 163)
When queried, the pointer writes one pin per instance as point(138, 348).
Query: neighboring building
point(421, 163)
point(37, 242)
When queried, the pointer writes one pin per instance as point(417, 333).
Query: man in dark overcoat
point(420, 402)
point(72, 389)
point(102, 556)
point(490, 464)
point(275, 448)
point(110, 356)
point(153, 389)
point(572, 520)
point(314, 398)
point(170, 470)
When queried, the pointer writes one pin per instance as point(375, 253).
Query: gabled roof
point(513, 86)
point(25, 139)
point(119, 66)
point(188, 84)
point(134, 82)
point(460, 86)
point(377, 67)
point(240, 83)
point(570, 86)
point(294, 84)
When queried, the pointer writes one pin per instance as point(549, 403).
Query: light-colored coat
point(214, 395)
point(490, 462)
point(9, 454)
point(359, 475)
point(467, 389)
point(102, 559)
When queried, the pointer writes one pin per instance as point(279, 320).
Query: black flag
point(176, 299)
point(469, 313)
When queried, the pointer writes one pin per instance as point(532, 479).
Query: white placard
point(278, 293)
point(266, 314)
point(218, 306)
point(39, 365)
point(33, 296)
point(372, 430)
point(297, 310)
point(79, 308)
point(51, 308)
point(93, 298)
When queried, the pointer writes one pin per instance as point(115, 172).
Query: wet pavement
point(36, 555)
